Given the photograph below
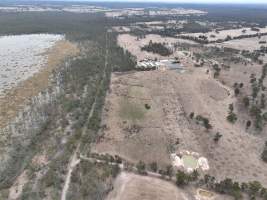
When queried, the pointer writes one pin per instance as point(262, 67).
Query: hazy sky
point(175, 1)
point(188, 1)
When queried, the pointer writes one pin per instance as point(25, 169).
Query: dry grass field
point(135, 187)
point(151, 134)
point(133, 44)
point(213, 35)
point(249, 44)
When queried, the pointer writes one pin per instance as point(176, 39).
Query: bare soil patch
point(134, 187)
point(16, 189)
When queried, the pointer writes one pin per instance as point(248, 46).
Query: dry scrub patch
point(17, 97)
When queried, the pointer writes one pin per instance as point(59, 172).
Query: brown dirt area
point(16, 98)
point(16, 189)
point(135, 187)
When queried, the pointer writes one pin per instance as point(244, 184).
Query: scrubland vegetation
point(157, 48)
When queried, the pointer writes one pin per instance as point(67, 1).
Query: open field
point(133, 44)
point(222, 35)
point(249, 44)
point(134, 187)
point(172, 97)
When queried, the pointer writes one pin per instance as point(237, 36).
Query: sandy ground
point(16, 189)
point(17, 97)
point(134, 187)
point(224, 33)
point(133, 45)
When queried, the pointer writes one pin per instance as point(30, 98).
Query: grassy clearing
point(131, 110)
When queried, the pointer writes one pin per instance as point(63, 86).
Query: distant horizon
point(153, 1)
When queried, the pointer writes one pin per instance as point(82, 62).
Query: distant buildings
point(147, 65)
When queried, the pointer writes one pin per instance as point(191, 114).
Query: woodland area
point(83, 79)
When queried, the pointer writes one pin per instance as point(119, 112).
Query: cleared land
point(213, 35)
point(134, 187)
point(133, 44)
point(249, 44)
point(150, 134)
